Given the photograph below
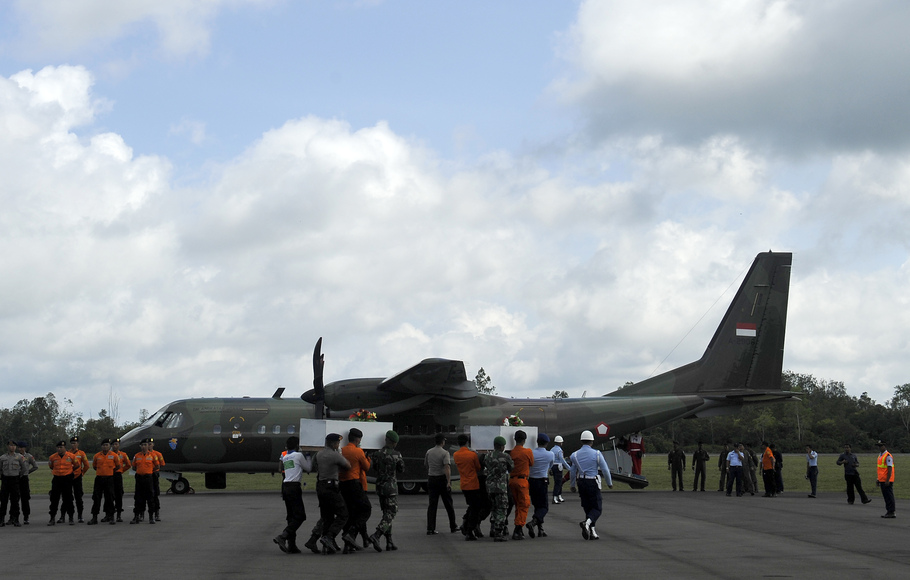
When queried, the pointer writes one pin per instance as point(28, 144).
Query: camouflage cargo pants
point(498, 513)
point(389, 506)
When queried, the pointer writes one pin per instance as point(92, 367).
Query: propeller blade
point(318, 383)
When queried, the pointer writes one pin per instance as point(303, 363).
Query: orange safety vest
point(125, 464)
point(145, 463)
point(523, 458)
point(106, 464)
point(358, 460)
point(81, 466)
point(883, 467)
point(767, 459)
point(468, 465)
point(62, 465)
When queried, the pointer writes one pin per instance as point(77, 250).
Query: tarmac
point(643, 535)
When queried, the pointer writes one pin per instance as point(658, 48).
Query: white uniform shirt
point(294, 466)
point(812, 458)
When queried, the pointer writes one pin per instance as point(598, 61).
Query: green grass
point(654, 467)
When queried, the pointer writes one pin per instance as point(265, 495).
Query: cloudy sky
point(556, 191)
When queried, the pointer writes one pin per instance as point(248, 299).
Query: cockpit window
point(175, 421)
point(154, 418)
point(164, 417)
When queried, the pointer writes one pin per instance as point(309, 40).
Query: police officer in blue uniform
point(585, 464)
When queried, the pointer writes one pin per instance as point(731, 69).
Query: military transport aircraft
point(742, 365)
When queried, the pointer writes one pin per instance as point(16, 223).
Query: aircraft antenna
point(698, 321)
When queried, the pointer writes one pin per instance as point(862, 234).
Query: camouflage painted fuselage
point(742, 365)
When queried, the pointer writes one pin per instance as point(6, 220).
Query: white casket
point(482, 436)
point(313, 432)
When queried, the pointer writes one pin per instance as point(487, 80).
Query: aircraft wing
point(432, 376)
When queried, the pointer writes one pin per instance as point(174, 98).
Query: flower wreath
point(362, 415)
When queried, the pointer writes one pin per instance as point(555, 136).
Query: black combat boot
point(62, 519)
point(389, 544)
point(530, 526)
point(135, 519)
point(517, 534)
point(313, 544)
point(53, 521)
point(328, 545)
point(350, 543)
point(374, 540)
point(540, 531)
point(282, 542)
point(119, 517)
point(93, 521)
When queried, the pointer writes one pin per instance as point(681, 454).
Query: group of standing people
point(738, 465)
point(69, 466)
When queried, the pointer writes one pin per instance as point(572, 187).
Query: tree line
point(43, 421)
point(825, 416)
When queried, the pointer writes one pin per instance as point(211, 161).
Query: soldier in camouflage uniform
point(497, 467)
point(387, 463)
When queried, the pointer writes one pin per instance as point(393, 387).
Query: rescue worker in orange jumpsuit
point(62, 464)
point(105, 462)
point(125, 465)
point(79, 469)
point(353, 490)
point(156, 476)
point(468, 463)
point(144, 463)
point(518, 482)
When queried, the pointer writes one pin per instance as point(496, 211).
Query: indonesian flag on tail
point(745, 329)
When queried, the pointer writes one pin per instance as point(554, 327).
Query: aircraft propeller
point(318, 398)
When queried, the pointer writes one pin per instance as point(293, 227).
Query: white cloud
point(113, 277)
point(790, 76)
point(194, 130)
point(64, 26)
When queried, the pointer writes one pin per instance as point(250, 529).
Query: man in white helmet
point(585, 464)
point(559, 462)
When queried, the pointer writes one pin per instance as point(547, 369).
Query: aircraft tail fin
point(745, 356)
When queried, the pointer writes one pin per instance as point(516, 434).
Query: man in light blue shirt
point(559, 463)
point(812, 469)
point(585, 464)
point(735, 469)
point(538, 482)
